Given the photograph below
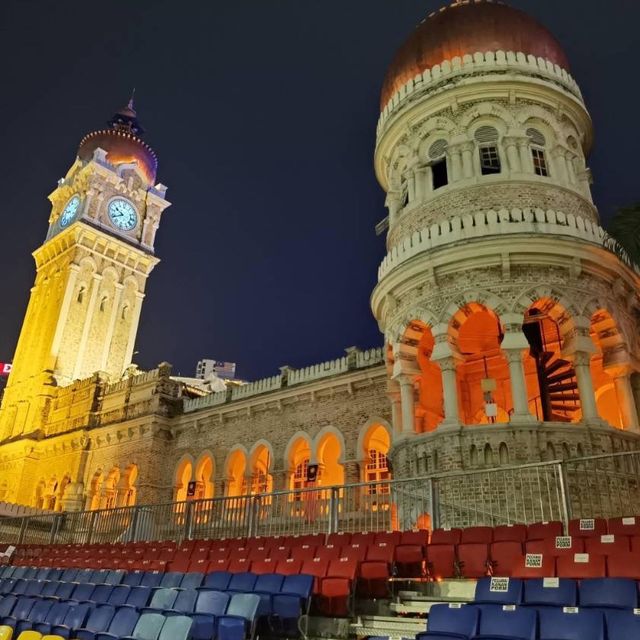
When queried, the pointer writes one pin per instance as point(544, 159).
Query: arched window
point(261, 479)
point(376, 467)
point(103, 303)
point(488, 455)
point(503, 452)
point(182, 480)
point(111, 489)
point(438, 161)
point(538, 143)
point(125, 312)
point(81, 291)
point(329, 454)
point(487, 139)
point(236, 469)
point(204, 483)
point(95, 490)
point(473, 456)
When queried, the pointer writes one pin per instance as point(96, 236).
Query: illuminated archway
point(376, 445)
point(126, 487)
point(607, 338)
point(552, 386)
point(110, 489)
point(66, 481)
point(95, 490)
point(236, 468)
point(483, 372)
point(298, 461)
point(51, 495)
point(329, 454)
point(184, 473)
point(39, 495)
point(204, 477)
point(261, 478)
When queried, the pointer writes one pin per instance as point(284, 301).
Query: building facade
point(510, 318)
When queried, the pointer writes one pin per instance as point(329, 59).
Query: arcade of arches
point(480, 368)
point(257, 472)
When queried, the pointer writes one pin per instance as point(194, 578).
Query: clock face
point(122, 214)
point(70, 210)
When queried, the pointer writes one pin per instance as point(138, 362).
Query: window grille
point(539, 162)
point(438, 149)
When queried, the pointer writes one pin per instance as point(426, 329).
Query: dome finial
point(130, 105)
point(126, 119)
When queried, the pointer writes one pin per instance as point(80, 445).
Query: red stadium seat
point(180, 564)
point(510, 533)
point(310, 539)
point(534, 566)
point(336, 589)
point(201, 565)
point(415, 537)
point(581, 565)
point(542, 530)
point(363, 539)
point(441, 560)
point(358, 551)
point(446, 536)
point(339, 539)
point(473, 560)
point(624, 526)
point(588, 528)
point(624, 564)
point(560, 546)
point(375, 571)
point(279, 553)
point(221, 564)
point(266, 565)
point(607, 544)
point(257, 553)
point(389, 537)
point(328, 552)
point(410, 560)
point(238, 565)
point(289, 567)
point(316, 567)
point(303, 552)
point(477, 535)
point(219, 553)
point(504, 557)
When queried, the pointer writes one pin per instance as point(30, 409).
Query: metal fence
point(597, 486)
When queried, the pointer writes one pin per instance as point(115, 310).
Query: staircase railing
point(596, 486)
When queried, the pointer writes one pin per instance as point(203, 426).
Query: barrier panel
point(594, 487)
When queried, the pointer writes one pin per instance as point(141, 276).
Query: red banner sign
point(5, 368)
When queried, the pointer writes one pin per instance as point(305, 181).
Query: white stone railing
point(355, 359)
point(489, 61)
point(503, 222)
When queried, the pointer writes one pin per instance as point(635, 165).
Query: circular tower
point(510, 317)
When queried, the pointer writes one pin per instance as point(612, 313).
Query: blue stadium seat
point(138, 597)
point(6, 605)
point(6, 572)
point(582, 624)
point(114, 577)
point(239, 621)
point(191, 580)
point(49, 589)
point(122, 624)
point(498, 591)
point(151, 579)
point(176, 628)
point(19, 586)
point(75, 619)
point(30, 573)
point(242, 582)
point(265, 587)
point(34, 588)
point(99, 620)
point(84, 575)
point(19, 572)
point(210, 605)
point(623, 625)
point(55, 616)
point(37, 614)
point(508, 622)
point(119, 594)
point(7, 585)
point(133, 578)
point(292, 602)
point(609, 593)
point(98, 576)
point(162, 599)
point(82, 592)
point(64, 590)
point(20, 611)
point(43, 574)
point(451, 621)
point(218, 580)
point(171, 579)
point(69, 575)
point(550, 592)
point(185, 602)
point(148, 626)
point(101, 593)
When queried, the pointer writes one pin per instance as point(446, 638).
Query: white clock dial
point(69, 211)
point(122, 214)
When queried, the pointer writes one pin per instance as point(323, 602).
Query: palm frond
point(625, 228)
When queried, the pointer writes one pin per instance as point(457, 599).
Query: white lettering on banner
point(499, 585)
point(563, 542)
point(508, 607)
point(551, 583)
point(628, 521)
point(570, 609)
point(608, 539)
point(5, 368)
point(587, 525)
point(533, 561)
point(581, 558)
point(455, 605)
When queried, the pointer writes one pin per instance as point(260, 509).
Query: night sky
point(263, 115)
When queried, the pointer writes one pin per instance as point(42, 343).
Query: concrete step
point(394, 627)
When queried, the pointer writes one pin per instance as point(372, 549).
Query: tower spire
point(126, 119)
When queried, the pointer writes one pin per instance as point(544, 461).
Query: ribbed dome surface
point(469, 27)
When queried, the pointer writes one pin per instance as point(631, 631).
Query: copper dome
point(468, 27)
point(122, 143)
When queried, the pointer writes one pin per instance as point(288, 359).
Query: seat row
point(510, 622)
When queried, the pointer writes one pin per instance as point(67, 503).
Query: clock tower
point(91, 273)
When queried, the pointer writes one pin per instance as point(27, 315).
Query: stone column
point(456, 163)
point(420, 183)
point(515, 346)
point(393, 393)
point(513, 157)
point(444, 356)
point(393, 205)
point(411, 185)
point(467, 159)
point(582, 366)
point(407, 398)
point(621, 374)
point(526, 161)
point(560, 164)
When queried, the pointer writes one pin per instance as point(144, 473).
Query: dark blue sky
point(263, 115)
